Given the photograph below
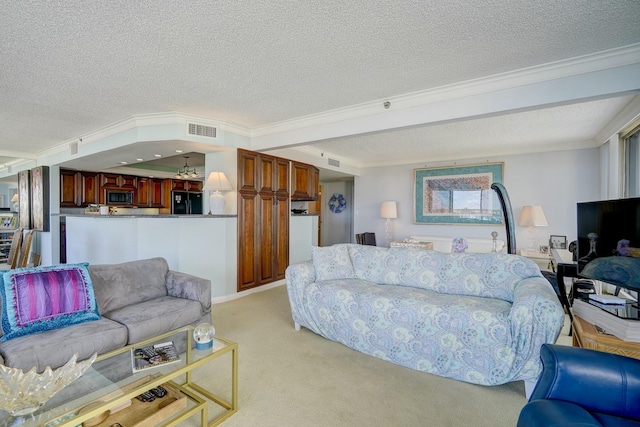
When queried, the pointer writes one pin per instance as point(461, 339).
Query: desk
point(588, 336)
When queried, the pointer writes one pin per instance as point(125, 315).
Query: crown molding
point(604, 60)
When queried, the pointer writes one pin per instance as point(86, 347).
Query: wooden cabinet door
point(128, 182)
point(156, 193)
point(89, 188)
point(194, 185)
point(109, 180)
point(142, 195)
point(281, 218)
point(69, 188)
point(178, 185)
point(300, 181)
point(314, 183)
point(247, 239)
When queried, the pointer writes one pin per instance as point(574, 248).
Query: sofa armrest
point(183, 285)
point(597, 381)
point(299, 276)
point(536, 318)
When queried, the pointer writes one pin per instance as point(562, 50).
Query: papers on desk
point(532, 253)
point(607, 299)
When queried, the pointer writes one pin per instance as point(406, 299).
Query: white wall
point(337, 227)
point(556, 181)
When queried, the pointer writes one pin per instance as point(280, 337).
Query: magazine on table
point(153, 356)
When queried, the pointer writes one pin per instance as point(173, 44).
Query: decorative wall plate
point(337, 203)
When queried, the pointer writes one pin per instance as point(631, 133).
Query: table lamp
point(389, 211)
point(216, 182)
point(532, 216)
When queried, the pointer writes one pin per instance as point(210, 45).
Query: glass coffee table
point(106, 394)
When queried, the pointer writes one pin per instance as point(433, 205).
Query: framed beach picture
point(458, 195)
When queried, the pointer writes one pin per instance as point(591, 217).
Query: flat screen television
point(609, 241)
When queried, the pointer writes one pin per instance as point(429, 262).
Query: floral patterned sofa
point(479, 318)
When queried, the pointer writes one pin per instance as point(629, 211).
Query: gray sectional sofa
point(136, 301)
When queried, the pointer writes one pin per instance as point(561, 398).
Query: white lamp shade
point(217, 181)
point(388, 210)
point(532, 216)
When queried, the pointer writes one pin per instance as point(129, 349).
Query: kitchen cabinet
point(305, 181)
point(116, 181)
point(182, 185)
point(89, 188)
point(78, 188)
point(68, 188)
point(150, 193)
point(263, 218)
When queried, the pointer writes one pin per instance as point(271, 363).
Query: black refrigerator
point(186, 203)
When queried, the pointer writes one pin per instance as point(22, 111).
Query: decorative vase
point(23, 393)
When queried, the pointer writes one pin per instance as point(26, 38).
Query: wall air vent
point(202, 130)
point(334, 162)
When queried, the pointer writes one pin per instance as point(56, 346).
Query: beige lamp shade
point(217, 181)
point(388, 210)
point(14, 199)
point(532, 216)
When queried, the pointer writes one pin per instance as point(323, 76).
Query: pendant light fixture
point(186, 172)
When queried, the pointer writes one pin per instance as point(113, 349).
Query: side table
point(586, 335)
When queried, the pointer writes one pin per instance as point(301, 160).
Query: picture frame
point(557, 242)
point(458, 195)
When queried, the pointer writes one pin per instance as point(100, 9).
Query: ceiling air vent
point(334, 162)
point(202, 130)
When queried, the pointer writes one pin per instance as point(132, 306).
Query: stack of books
point(606, 311)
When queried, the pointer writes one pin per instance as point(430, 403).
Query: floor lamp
point(389, 211)
point(216, 182)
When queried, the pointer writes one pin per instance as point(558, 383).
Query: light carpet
point(289, 378)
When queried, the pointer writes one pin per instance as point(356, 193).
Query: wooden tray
point(132, 413)
point(148, 414)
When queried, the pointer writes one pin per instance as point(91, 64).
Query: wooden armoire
point(263, 218)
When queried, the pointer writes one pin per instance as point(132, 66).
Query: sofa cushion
point(44, 298)
point(55, 348)
point(120, 285)
point(484, 275)
point(332, 262)
point(457, 336)
point(156, 316)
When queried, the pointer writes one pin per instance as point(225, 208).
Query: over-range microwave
point(119, 197)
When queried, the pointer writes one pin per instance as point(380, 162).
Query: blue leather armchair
point(580, 387)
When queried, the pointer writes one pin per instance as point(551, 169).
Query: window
point(632, 163)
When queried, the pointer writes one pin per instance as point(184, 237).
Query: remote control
point(159, 391)
point(146, 397)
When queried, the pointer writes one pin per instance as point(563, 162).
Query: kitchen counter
point(143, 216)
point(201, 245)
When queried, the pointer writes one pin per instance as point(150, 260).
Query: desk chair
point(366, 239)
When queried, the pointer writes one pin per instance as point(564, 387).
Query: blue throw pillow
point(44, 298)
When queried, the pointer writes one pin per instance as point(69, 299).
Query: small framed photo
point(544, 249)
point(558, 242)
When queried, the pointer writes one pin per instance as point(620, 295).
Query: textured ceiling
point(71, 67)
